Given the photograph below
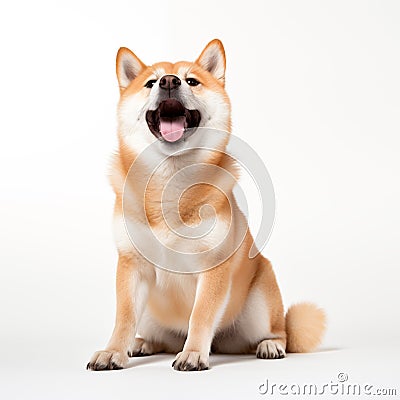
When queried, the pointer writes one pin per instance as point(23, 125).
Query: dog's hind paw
point(144, 348)
point(270, 348)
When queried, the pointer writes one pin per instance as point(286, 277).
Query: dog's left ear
point(213, 60)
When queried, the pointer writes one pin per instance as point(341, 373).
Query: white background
point(315, 89)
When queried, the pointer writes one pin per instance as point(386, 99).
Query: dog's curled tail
point(305, 327)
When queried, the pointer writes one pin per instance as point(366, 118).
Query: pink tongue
point(172, 128)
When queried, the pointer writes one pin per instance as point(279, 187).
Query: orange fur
point(222, 306)
point(305, 325)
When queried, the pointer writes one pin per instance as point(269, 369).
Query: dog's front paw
point(103, 360)
point(270, 349)
point(190, 361)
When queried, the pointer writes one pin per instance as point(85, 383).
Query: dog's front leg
point(131, 293)
point(212, 296)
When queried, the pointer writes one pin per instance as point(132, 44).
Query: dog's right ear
point(128, 67)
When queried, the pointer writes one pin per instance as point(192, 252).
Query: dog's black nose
point(169, 82)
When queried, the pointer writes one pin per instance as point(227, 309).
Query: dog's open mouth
point(171, 119)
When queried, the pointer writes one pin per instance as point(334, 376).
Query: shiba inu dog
point(226, 304)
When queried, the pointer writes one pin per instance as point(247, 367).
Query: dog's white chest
point(180, 248)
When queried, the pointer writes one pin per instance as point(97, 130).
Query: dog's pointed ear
point(128, 67)
point(212, 59)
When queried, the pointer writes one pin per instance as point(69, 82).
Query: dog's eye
point(149, 84)
point(192, 82)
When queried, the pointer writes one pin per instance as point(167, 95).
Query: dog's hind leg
point(260, 326)
point(273, 345)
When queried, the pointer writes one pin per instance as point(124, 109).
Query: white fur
point(212, 106)
point(121, 237)
point(251, 326)
point(184, 285)
point(254, 320)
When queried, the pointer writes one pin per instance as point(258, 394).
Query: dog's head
point(167, 102)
